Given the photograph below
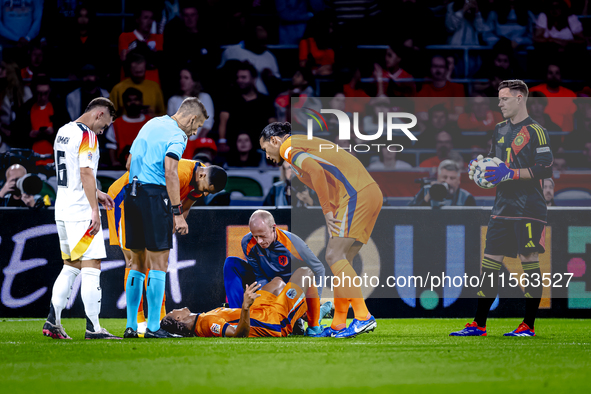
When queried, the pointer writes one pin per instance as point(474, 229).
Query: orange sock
point(341, 308)
point(163, 308)
point(360, 309)
point(355, 297)
point(313, 303)
point(140, 312)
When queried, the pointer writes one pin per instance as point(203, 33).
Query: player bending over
point(517, 225)
point(78, 218)
point(195, 180)
point(270, 311)
point(351, 201)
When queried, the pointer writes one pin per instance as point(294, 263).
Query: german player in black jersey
point(518, 221)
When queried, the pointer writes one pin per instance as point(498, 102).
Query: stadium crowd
point(247, 60)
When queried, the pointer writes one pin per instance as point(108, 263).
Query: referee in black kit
point(151, 200)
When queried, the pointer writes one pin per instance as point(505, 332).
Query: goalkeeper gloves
point(472, 166)
point(502, 173)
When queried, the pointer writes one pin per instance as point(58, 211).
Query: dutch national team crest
point(291, 293)
point(283, 261)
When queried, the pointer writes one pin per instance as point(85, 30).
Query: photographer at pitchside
point(445, 190)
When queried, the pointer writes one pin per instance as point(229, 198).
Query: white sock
point(62, 288)
point(90, 289)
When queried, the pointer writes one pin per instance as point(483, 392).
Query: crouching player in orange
point(351, 201)
point(270, 311)
point(196, 181)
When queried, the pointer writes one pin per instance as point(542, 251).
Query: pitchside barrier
point(405, 242)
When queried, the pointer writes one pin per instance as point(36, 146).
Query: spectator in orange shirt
point(125, 128)
point(562, 106)
point(354, 88)
point(478, 115)
point(387, 77)
point(39, 119)
point(441, 90)
point(316, 47)
point(143, 42)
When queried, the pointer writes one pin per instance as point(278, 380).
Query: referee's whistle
point(134, 187)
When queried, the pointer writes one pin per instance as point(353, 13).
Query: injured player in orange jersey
point(270, 311)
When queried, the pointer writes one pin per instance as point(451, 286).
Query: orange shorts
point(358, 213)
point(116, 216)
point(275, 316)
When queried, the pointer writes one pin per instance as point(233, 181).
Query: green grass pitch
point(401, 356)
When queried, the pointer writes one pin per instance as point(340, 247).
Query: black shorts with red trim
point(512, 236)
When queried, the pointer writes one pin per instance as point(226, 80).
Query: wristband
point(177, 209)
point(222, 141)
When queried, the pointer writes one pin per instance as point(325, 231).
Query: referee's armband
point(173, 155)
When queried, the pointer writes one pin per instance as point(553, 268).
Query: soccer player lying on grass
point(269, 253)
point(195, 180)
point(270, 311)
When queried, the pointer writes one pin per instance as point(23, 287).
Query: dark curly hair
point(168, 323)
point(276, 129)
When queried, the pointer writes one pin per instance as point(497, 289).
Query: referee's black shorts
point(148, 218)
point(509, 237)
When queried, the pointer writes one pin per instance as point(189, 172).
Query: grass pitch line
point(19, 320)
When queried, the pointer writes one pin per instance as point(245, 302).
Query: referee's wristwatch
point(177, 209)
